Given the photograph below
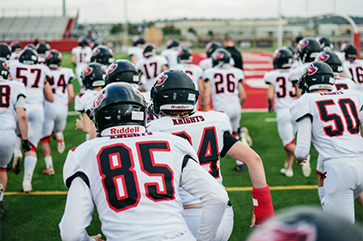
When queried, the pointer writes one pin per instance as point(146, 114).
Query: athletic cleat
point(49, 171)
point(60, 142)
point(244, 136)
point(27, 186)
point(239, 168)
point(18, 157)
point(289, 172)
point(306, 169)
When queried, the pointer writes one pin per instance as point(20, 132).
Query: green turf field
point(36, 216)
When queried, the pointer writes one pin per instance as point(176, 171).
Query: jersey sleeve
point(71, 76)
point(207, 75)
point(296, 74)
point(163, 61)
point(268, 78)
point(78, 105)
point(299, 110)
point(74, 51)
point(72, 169)
point(240, 76)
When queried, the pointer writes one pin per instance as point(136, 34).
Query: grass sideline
point(36, 217)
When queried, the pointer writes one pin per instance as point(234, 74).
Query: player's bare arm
point(270, 97)
point(48, 94)
point(70, 91)
point(206, 95)
point(242, 93)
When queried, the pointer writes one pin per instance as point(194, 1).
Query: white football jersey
point(33, 77)
point(194, 71)
point(204, 131)
point(137, 51)
point(344, 84)
point(150, 68)
point(297, 72)
point(134, 182)
point(224, 82)
point(61, 79)
point(15, 55)
point(285, 91)
point(355, 68)
point(84, 101)
point(9, 93)
point(336, 118)
point(171, 55)
point(208, 63)
point(83, 55)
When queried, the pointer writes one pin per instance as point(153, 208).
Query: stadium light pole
point(64, 8)
point(279, 26)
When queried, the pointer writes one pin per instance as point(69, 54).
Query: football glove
point(26, 145)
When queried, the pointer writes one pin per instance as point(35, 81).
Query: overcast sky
point(94, 11)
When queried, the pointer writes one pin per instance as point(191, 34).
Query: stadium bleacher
point(25, 28)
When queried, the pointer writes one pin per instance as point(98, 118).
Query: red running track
point(255, 66)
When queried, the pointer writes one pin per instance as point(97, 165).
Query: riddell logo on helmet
point(112, 68)
point(127, 130)
point(161, 79)
point(324, 57)
point(179, 107)
point(311, 69)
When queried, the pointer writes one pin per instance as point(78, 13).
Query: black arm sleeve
point(228, 142)
point(77, 174)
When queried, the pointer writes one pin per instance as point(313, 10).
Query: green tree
point(192, 30)
point(116, 28)
point(210, 34)
point(171, 29)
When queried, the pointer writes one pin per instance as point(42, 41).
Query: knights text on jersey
point(194, 71)
point(285, 91)
point(61, 79)
point(9, 92)
point(224, 82)
point(33, 77)
point(151, 68)
point(336, 118)
point(134, 181)
point(83, 55)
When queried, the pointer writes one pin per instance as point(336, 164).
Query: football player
point(209, 50)
point(307, 50)
point(331, 120)
point(12, 101)
point(81, 57)
point(135, 52)
point(42, 49)
point(173, 98)
point(171, 52)
point(185, 59)
point(103, 55)
point(137, 197)
point(36, 79)
point(56, 112)
point(353, 65)
point(150, 66)
point(223, 83)
point(282, 92)
point(93, 78)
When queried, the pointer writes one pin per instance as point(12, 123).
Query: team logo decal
point(277, 54)
point(49, 56)
point(99, 98)
point(161, 79)
point(220, 55)
point(96, 51)
point(6, 66)
point(311, 69)
point(345, 47)
point(324, 57)
point(111, 68)
point(60, 56)
point(303, 44)
point(88, 70)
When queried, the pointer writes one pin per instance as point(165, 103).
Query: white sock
point(1, 196)
point(48, 161)
point(29, 165)
point(321, 193)
point(239, 162)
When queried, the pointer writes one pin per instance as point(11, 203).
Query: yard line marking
point(270, 120)
point(230, 189)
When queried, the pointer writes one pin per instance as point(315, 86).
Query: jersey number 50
point(120, 181)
